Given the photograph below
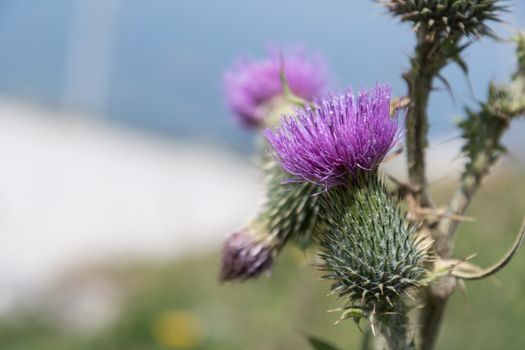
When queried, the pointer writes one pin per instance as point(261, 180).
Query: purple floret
point(245, 256)
point(251, 84)
point(332, 142)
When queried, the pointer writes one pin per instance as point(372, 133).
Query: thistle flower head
point(245, 255)
point(332, 141)
point(443, 17)
point(251, 84)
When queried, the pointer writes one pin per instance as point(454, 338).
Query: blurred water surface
point(158, 64)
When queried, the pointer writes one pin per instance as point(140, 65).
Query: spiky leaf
point(483, 129)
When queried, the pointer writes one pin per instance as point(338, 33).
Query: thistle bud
point(370, 252)
point(440, 18)
point(246, 255)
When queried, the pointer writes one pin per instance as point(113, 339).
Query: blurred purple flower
point(341, 135)
point(251, 84)
point(245, 256)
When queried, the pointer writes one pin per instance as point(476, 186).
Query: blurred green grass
point(181, 305)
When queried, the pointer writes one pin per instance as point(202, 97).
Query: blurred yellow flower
point(177, 329)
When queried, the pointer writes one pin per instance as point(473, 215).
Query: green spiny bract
point(440, 18)
point(369, 250)
point(291, 210)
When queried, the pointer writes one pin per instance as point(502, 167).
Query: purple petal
point(340, 137)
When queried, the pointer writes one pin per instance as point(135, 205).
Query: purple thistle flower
point(245, 256)
point(252, 84)
point(330, 143)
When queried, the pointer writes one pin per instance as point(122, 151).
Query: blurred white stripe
point(71, 190)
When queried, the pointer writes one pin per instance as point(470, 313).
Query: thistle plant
point(385, 245)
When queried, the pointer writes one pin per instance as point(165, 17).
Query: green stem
point(394, 329)
point(429, 58)
point(425, 65)
point(432, 314)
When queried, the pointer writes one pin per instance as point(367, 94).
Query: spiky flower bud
point(253, 86)
point(337, 138)
point(245, 255)
point(440, 18)
point(370, 252)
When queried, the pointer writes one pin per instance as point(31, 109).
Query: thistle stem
point(437, 295)
point(432, 314)
point(428, 60)
point(425, 65)
point(394, 329)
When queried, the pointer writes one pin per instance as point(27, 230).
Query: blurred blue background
point(158, 64)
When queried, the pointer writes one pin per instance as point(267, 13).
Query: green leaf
point(461, 64)
point(319, 344)
point(447, 86)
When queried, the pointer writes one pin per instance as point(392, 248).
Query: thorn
point(399, 103)
point(389, 302)
point(334, 310)
point(471, 256)
point(371, 319)
point(410, 296)
point(393, 155)
point(463, 288)
point(359, 326)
